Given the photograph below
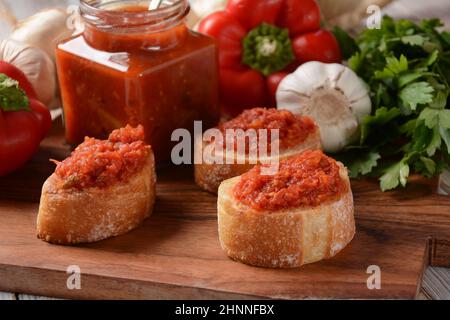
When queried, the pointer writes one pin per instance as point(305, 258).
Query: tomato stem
point(267, 49)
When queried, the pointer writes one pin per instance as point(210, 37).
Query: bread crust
point(72, 216)
point(288, 238)
point(210, 176)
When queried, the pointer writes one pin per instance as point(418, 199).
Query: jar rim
point(97, 13)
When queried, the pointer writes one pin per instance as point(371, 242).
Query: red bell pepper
point(260, 42)
point(24, 120)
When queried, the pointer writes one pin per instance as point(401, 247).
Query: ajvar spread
point(122, 74)
point(293, 129)
point(303, 181)
point(101, 163)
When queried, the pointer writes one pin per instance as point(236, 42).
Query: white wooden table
point(436, 281)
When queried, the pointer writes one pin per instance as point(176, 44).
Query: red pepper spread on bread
point(307, 180)
point(101, 163)
point(293, 129)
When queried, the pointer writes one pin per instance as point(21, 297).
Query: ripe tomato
point(16, 144)
point(251, 13)
point(24, 121)
point(229, 34)
point(43, 115)
point(317, 46)
point(300, 16)
point(273, 81)
point(240, 88)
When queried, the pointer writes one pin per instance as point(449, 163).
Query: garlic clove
point(356, 90)
point(334, 72)
point(339, 135)
point(318, 75)
point(300, 89)
point(292, 100)
point(362, 107)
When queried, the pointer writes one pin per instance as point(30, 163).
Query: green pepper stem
point(267, 49)
point(12, 97)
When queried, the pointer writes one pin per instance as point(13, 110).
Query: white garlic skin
point(44, 30)
point(333, 95)
point(37, 66)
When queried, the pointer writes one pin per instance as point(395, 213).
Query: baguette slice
point(75, 216)
point(287, 238)
point(210, 176)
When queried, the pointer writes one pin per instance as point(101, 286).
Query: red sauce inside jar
point(293, 129)
point(101, 163)
point(117, 72)
point(307, 180)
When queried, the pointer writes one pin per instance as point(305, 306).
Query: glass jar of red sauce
point(132, 65)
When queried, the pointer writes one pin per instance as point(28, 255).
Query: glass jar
point(132, 65)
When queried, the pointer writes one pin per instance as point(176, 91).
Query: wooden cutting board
point(176, 253)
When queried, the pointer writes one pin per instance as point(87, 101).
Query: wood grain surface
point(436, 280)
point(176, 253)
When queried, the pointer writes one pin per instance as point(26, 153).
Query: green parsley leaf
point(429, 25)
point(348, 44)
point(409, 77)
point(409, 127)
point(355, 61)
point(440, 101)
point(421, 138)
point(394, 176)
point(435, 142)
point(430, 117)
point(432, 58)
point(437, 85)
point(432, 44)
point(445, 135)
point(426, 166)
point(393, 67)
point(364, 164)
point(382, 116)
point(444, 118)
point(416, 93)
point(403, 27)
point(404, 174)
point(397, 65)
point(446, 37)
point(12, 98)
point(414, 40)
point(382, 96)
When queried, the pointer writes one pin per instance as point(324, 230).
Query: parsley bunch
point(407, 67)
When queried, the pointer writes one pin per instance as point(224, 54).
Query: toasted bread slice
point(287, 238)
point(210, 176)
point(71, 216)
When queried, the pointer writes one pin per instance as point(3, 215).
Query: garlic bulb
point(35, 63)
point(43, 30)
point(333, 95)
